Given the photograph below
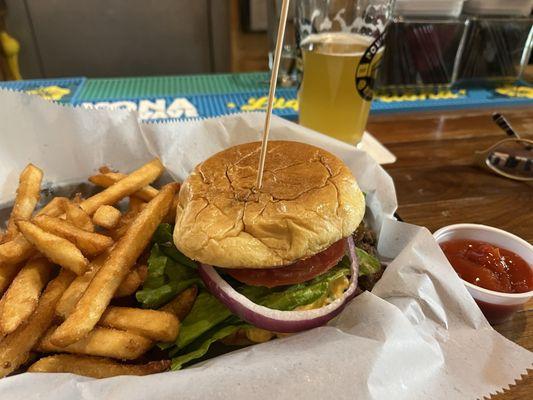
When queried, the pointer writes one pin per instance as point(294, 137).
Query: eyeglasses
point(511, 158)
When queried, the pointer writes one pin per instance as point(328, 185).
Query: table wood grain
point(438, 184)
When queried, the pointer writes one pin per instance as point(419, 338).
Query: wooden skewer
point(272, 91)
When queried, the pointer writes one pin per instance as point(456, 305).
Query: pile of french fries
point(64, 266)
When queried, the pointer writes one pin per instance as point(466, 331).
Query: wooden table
point(438, 184)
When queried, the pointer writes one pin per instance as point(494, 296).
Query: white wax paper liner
point(418, 335)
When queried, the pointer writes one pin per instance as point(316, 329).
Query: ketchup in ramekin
point(490, 267)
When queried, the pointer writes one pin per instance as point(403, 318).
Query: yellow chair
point(10, 48)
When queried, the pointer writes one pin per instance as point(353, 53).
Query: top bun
point(308, 201)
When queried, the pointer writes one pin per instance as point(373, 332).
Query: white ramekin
point(496, 306)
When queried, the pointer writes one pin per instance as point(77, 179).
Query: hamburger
point(247, 264)
point(309, 201)
point(295, 232)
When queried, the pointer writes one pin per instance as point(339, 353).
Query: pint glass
point(341, 44)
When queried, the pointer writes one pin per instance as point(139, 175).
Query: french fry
point(125, 222)
point(103, 342)
point(54, 208)
point(19, 249)
point(135, 205)
point(22, 297)
point(73, 293)
point(133, 280)
point(55, 248)
point(258, 335)
point(237, 338)
point(7, 274)
point(125, 187)
point(101, 180)
point(107, 179)
point(89, 243)
point(15, 348)
point(28, 194)
point(77, 217)
point(95, 367)
point(170, 218)
point(159, 326)
point(123, 256)
point(77, 198)
point(16, 251)
point(117, 233)
point(2, 299)
point(107, 217)
point(181, 305)
point(3, 236)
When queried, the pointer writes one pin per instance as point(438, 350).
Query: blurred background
point(430, 42)
point(106, 38)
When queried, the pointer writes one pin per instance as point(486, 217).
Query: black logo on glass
point(365, 74)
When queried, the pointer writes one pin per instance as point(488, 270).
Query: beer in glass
point(341, 47)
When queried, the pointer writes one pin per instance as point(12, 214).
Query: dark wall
point(99, 38)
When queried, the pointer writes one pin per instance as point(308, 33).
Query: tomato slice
point(298, 272)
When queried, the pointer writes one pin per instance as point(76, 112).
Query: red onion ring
point(275, 320)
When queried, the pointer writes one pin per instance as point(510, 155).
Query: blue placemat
point(60, 90)
point(449, 99)
point(286, 105)
point(185, 97)
point(201, 106)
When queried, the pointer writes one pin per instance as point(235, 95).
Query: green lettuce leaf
point(166, 278)
point(341, 269)
point(163, 237)
point(155, 298)
point(290, 299)
point(201, 348)
point(163, 234)
point(171, 251)
point(157, 265)
point(305, 293)
point(206, 313)
point(368, 264)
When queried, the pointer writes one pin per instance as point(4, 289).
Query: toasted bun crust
point(308, 201)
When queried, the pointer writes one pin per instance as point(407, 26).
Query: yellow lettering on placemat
point(54, 93)
point(525, 92)
point(260, 103)
point(407, 97)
